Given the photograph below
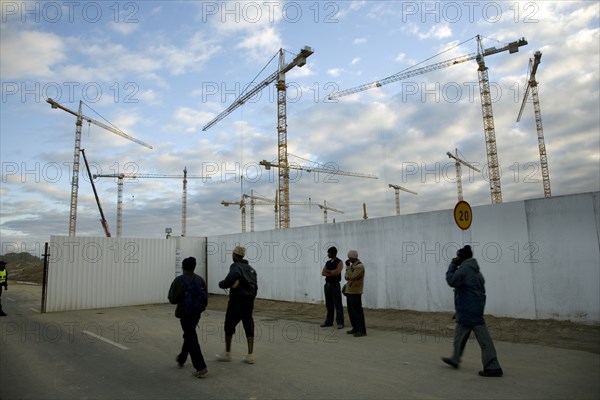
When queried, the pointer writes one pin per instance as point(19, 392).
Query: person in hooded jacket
point(242, 284)
point(469, 300)
point(188, 320)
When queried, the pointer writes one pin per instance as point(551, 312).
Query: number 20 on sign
point(463, 215)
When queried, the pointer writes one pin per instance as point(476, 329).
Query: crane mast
point(279, 76)
point(76, 160)
point(533, 86)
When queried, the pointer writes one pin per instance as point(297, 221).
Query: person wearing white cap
point(242, 284)
point(355, 278)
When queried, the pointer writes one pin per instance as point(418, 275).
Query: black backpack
point(196, 298)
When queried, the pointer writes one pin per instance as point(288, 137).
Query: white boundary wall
point(540, 258)
point(99, 272)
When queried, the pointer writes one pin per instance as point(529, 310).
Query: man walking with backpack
point(188, 291)
point(242, 284)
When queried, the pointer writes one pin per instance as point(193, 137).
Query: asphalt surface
point(129, 353)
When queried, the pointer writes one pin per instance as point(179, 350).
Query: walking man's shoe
point(495, 373)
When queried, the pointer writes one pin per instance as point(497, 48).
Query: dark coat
point(178, 287)
point(469, 292)
point(241, 280)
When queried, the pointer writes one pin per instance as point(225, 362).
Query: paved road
point(128, 353)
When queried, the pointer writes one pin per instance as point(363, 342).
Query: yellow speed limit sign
point(463, 215)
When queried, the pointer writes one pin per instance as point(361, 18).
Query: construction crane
point(262, 201)
point(103, 221)
point(325, 207)
point(75, 178)
point(397, 190)
point(533, 86)
point(486, 100)
point(457, 163)
point(330, 171)
point(279, 76)
point(242, 204)
point(121, 177)
point(256, 200)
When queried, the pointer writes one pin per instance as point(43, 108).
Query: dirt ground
point(563, 334)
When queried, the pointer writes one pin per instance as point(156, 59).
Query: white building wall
point(540, 258)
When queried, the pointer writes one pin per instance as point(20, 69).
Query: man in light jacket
point(355, 278)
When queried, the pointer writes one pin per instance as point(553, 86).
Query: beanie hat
point(188, 264)
point(465, 252)
point(240, 251)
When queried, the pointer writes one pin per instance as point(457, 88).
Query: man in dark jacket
point(242, 284)
point(469, 301)
point(332, 271)
point(188, 319)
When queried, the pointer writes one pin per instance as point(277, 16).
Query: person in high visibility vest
point(3, 282)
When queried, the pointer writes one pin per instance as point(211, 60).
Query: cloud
point(29, 54)
point(334, 72)
point(359, 41)
point(262, 43)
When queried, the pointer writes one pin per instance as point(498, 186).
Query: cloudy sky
point(160, 71)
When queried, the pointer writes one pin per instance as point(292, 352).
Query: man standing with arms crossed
point(332, 271)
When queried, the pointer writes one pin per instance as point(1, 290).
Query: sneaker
point(200, 374)
point(359, 334)
point(179, 364)
point(450, 362)
point(496, 373)
point(351, 332)
point(340, 326)
point(249, 359)
point(224, 357)
point(325, 325)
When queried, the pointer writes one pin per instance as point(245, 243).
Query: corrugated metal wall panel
point(98, 272)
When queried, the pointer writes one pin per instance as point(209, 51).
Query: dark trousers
point(355, 312)
point(333, 300)
point(190, 344)
point(488, 351)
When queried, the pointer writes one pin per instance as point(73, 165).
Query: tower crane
point(457, 163)
point(325, 207)
point(256, 200)
point(242, 204)
point(262, 201)
point(75, 178)
point(122, 176)
point(279, 76)
point(533, 86)
point(102, 219)
point(397, 190)
point(486, 100)
point(330, 171)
